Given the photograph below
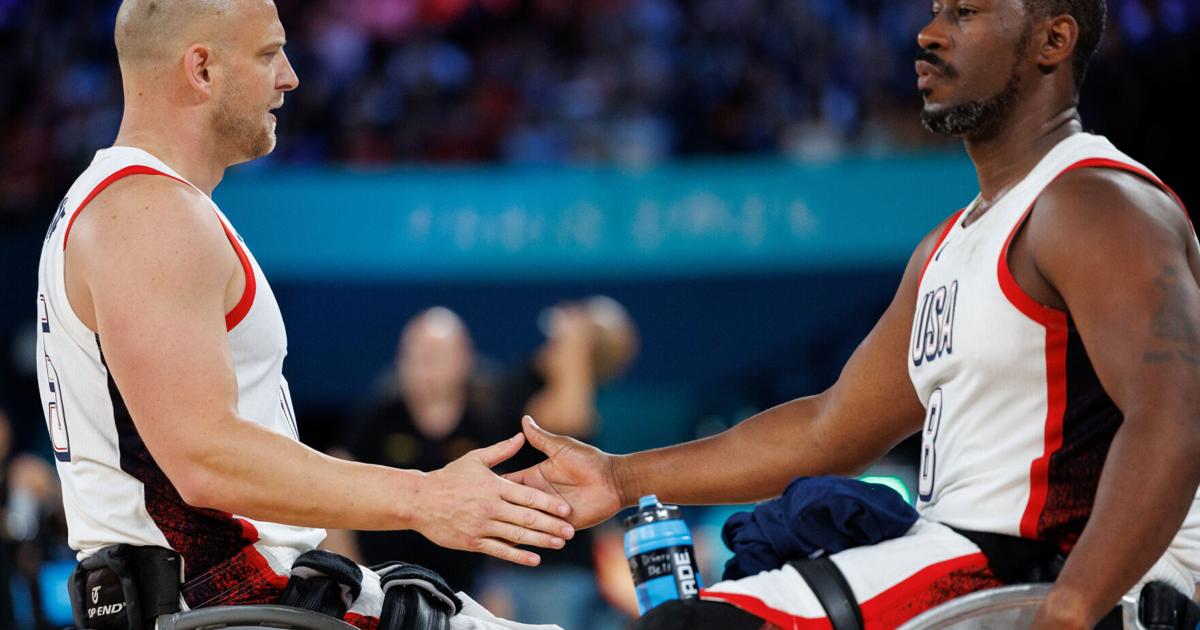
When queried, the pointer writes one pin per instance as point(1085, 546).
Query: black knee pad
point(323, 582)
point(415, 598)
point(695, 614)
point(411, 608)
point(1162, 607)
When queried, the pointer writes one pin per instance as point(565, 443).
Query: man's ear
point(1059, 36)
point(197, 63)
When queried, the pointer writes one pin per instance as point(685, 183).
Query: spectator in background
point(31, 525)
point(440, 403)
point(429, 416)
point(6, 566)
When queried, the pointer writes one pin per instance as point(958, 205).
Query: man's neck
point(1007, 155)
point(189, 153)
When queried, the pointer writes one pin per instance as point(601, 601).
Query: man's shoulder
point(144, 211)
point(929, 242)
point(149, 194)
point(1105, 200)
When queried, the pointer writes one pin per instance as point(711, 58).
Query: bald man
point(161, 345)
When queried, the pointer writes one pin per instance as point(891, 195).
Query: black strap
point(1162, 607)
point(125, 586)
point(159, 572)
point(831, 589)
point(1015, 560)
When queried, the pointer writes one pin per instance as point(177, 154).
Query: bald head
point(203, 73)
point(435, 355)
point(154, 33)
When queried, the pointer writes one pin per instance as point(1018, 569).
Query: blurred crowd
point(630, 82)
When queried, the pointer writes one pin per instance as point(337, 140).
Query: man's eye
point(966, 11)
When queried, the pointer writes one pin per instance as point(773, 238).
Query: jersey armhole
point(242, 308)
point(1017, 296)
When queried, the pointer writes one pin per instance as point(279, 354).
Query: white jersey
point(113, 490)
point(1017, 423)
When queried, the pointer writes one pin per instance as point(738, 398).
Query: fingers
point(491, 456)
point(532, 478)
point(516, 535)
point(533, 498)
point(517, 476)
point(505, 551)
point(540, 438)
point(540, 529)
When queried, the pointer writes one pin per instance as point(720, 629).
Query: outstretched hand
point(579, 474)
point(467, 506)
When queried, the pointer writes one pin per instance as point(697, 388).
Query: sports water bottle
point(661, 556)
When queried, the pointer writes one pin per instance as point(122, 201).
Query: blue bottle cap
point(651, 511)
point(650, 500)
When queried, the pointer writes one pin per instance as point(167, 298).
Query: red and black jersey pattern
point(221, 565)
point(1089, 423)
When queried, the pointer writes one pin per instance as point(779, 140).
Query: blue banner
point(569, 222)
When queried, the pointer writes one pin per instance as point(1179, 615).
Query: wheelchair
point(254, 616)
point(264, 616)
point(1014, 606)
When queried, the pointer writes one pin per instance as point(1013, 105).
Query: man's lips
point(927, 73)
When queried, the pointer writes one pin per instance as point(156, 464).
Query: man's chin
point(262, 149)
point(942, 120)
point(265, 145)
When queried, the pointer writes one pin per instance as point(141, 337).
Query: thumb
point(500, 451)
point(538, 437)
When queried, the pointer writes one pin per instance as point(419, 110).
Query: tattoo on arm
point(1173, 322)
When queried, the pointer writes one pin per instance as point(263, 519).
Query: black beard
point(975, 119)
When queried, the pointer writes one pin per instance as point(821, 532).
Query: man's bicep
point(158, 295)
point(1127, 278)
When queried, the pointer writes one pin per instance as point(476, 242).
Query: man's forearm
point(752, 461)
point(253, 472)
point(1146, 488)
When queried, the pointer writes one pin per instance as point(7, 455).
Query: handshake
point(464, 505)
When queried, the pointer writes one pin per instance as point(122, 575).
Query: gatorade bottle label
point(675, 562)
point(661, 557)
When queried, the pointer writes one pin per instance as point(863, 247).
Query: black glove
point(415, 598)
point(324, 582)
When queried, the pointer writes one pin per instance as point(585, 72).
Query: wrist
point(1071, 608)
point(623, 481)
point(405, 508)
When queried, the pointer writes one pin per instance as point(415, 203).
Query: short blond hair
point(151, 32)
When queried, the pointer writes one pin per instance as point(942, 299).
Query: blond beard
point(241, 136)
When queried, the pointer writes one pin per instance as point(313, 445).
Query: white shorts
point(899, 579)
point(893, 581)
